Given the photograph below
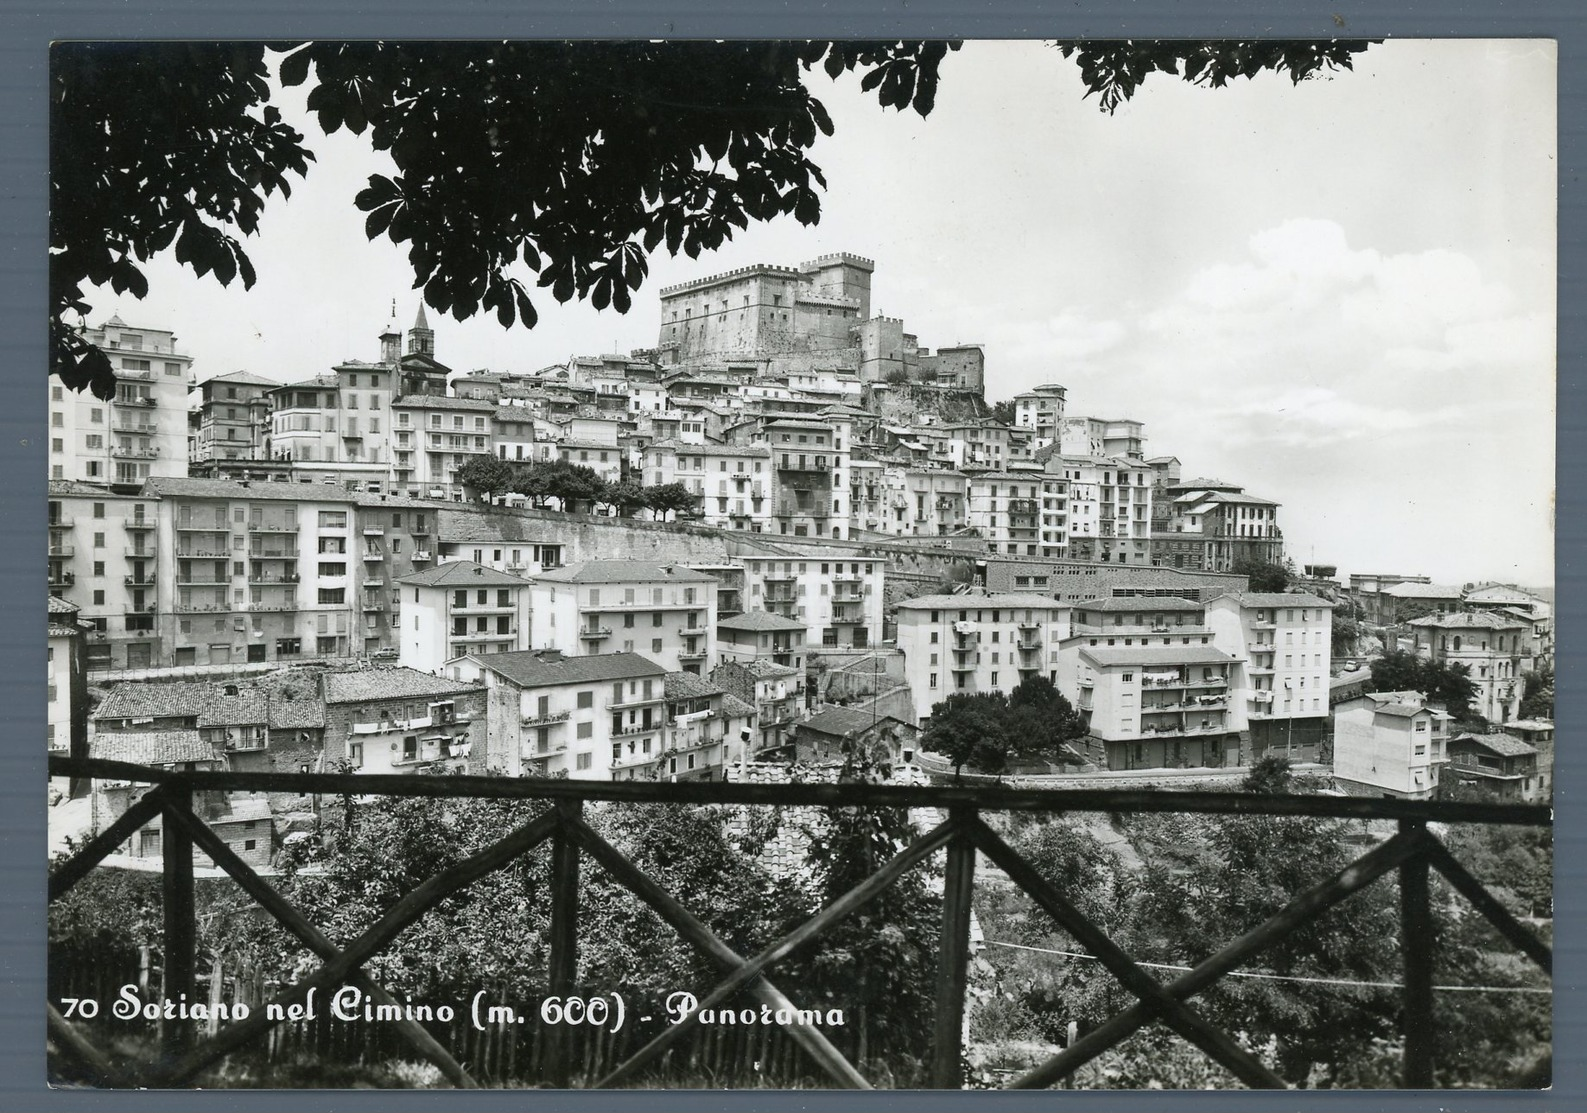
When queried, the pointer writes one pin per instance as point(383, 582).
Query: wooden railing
point(1410, 853)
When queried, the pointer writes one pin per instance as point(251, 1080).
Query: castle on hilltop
point(776, 320)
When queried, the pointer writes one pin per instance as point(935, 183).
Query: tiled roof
point(178, 487)
point(1275, 599)
point(1505, 745)
point(686, 685)
point(462, 573)
point(360, 685)
point(683, 449)
point(243, 378)
point(767, 670)
point(56, 630)
point(245, 707)
point(840, 721)
point(445, 402)
point(533, 668)
point(753, 621)
point(155, 700)
point(1000, 600)
point(155, 747)
point(735, 708)
point(1136, 604)
point(1156, 655)
point(624, 571)
point(1474, 620)
point(58, 605)
point(1424, 591)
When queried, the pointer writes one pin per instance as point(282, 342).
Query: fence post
point(1416, 945)
point(556, 1062)
point(176, 905)
point(953, 957)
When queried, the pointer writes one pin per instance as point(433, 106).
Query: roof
point(243, 378)
point(1473, 620)
point(396, 682)
point(1423, 591)
point(181, 487)
point(1275, 599)
point(1156, 655)
point(840, 721)
point(244, 809)
point(975, 599)
point(1135, 604)
point(538, 668)
point(624, 571)
point(762, 669)
point(758, 620)
point(155, 700)
point(246, 705)
point(57, 630)
point(1504, 745)
point(445, 402)
point(686, 685)
point(735, 708)
point(462, 573)
point(318, 382)
point(153, 747)
point(58, 605)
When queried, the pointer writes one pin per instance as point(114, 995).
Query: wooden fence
point(561, 1057)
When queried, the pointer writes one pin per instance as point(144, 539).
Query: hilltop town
point(785, 534)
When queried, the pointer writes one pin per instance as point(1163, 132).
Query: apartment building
point(103, 553)
point(1499, 765)
point(1281, 684)
point(66, 688)
point(1390, 744)
point(707, 728)
point(733, 484)
point(972, 445)
point(1495, 648)
point(923, 502)
point(1101, 436)
point(1109, 507)
point(231, 421)
point(1041, 411)
point(760, 635)
point(434, 437)
point(777, 692)
point(142, 431)
point(977, 642)
point(667, 612)
point(254, 572)
point(459, 608)
point(549, 713)
point(809, 476)
point(1152, 706)
point(399, 720)
point(1023, 514)
point(1212, 525)
point(838, 599)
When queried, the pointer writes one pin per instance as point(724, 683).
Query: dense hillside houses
point(785, 533)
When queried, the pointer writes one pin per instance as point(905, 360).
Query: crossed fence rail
point(1411, 853)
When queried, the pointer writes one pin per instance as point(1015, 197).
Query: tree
point(561, 165)
point(1263, 576)
point(1042, 721)
point(669, 498)
point(1270, 775)
point(1402, 671)
point(971, 728)
point(1537, 693)
point(1003, 412)
point(486, 474)
point(625, 497)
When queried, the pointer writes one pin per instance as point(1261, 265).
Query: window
point(333, 519)
point(585, 730)
point(655, 645)
point(332, 595)
point(583, 761)
point(586, 700)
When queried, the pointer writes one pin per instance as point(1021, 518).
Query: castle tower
point(421, 339)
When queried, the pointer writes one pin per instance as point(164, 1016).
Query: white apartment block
point(732, 482)
point(1389, 744)
point(103, 553)
point(977, 446)
point(1152, 706)
point(1041, 412)
point(1284, 645)
point(923, 502)
point(140, 433)
point(838, 599)
point(978, 642)
point(461, 608)
point(665, 612)
point(1101, 436)
point(434, 437)
point(549, 714)
point(1109, 508)
point(1023, 514)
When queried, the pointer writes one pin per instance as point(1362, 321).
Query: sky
point(1339, 294)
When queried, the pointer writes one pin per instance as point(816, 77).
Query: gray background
point(24, 38)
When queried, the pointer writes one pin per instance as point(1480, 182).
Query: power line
point(1285, 977)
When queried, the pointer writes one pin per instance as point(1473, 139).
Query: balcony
point(374, 531)
point(272, 577)
point(530, 751)
point(202, 608)
point(615, 704)
point(1261, 647)
point(132, 608)
point(149, 554)
point(193, 578)
point(138, 581)
point(478, 636)
point(422, 555)
point(629, 730)
point(691, 654)
point(1262, 697)
point(272, 527)
point(62, 521)
point(127, 452)
point(63, 550)
point(138, 523)
point(136, 428)
point(271, 606)
point(62, 579)
point(547, 720)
